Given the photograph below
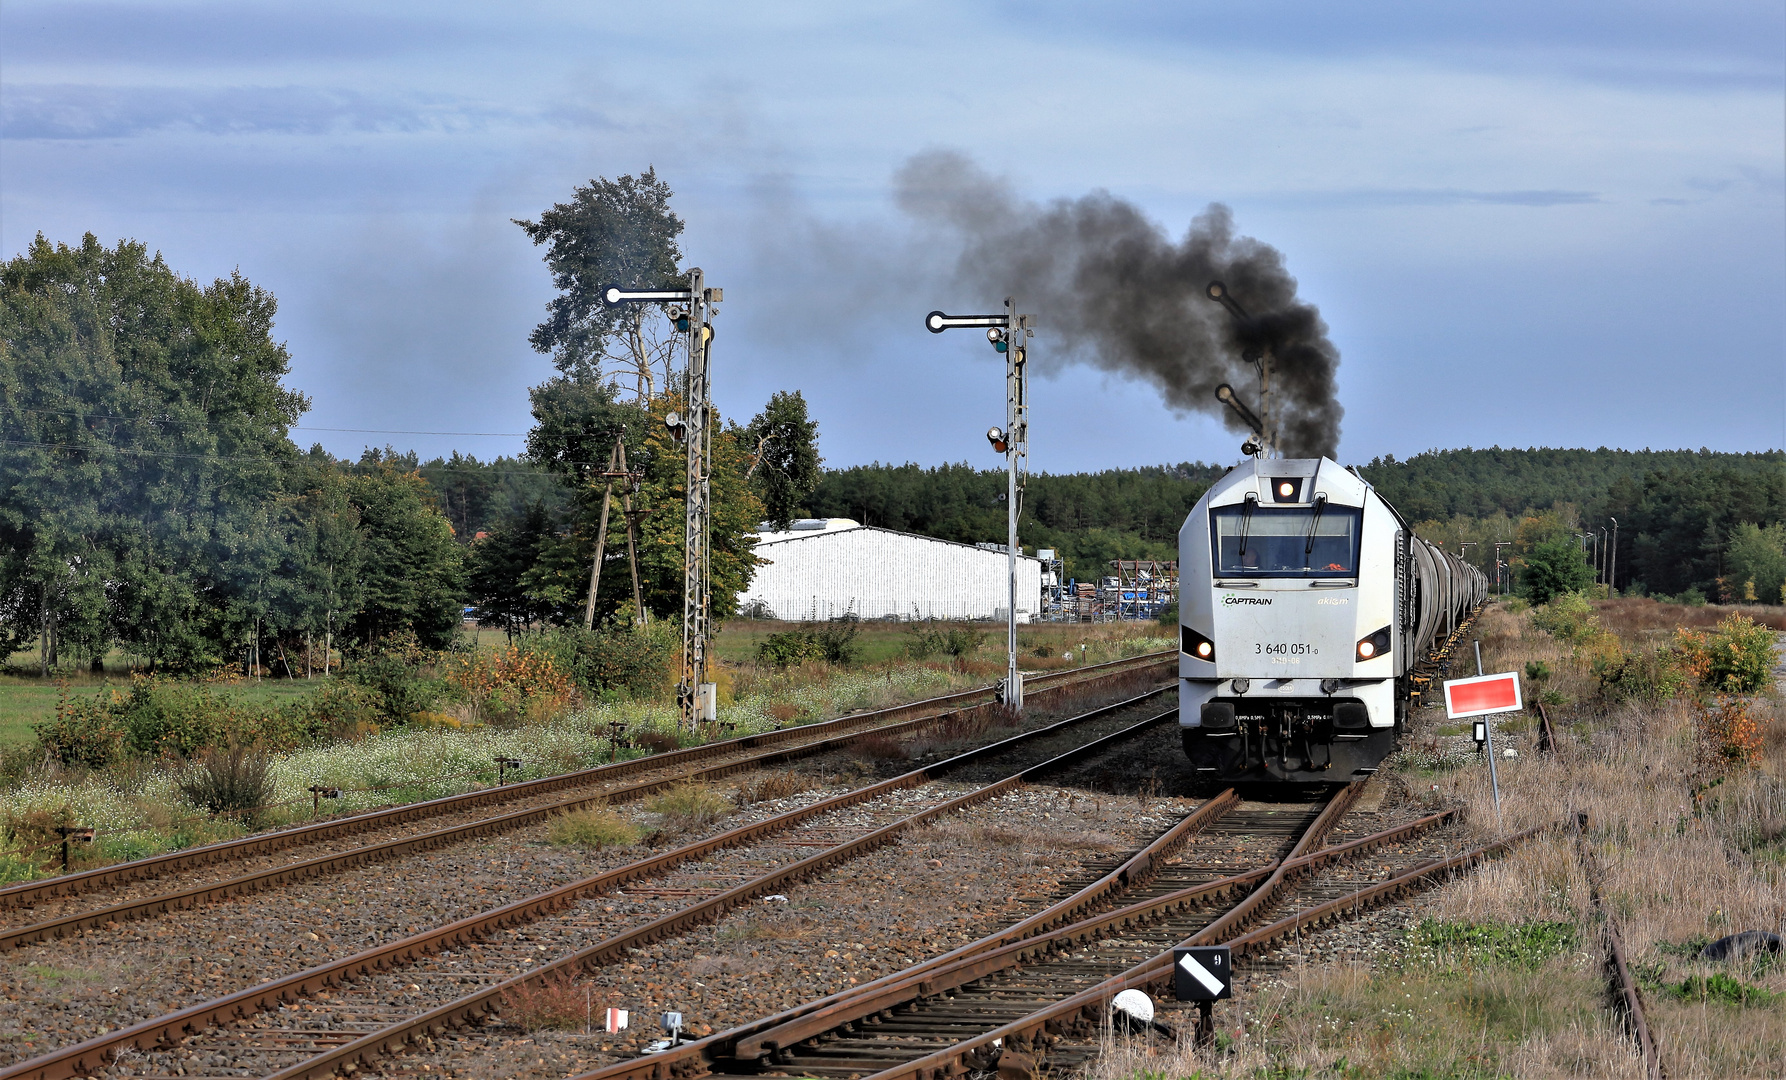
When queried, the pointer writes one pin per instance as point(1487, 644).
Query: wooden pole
point(601, 541)
point(632, 544)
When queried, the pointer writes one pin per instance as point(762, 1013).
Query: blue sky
point(1525, 223)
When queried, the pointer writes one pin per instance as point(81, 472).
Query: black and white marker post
point(1205, 975)
point(1007, 333)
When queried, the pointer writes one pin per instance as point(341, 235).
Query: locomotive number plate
point(1284, 648)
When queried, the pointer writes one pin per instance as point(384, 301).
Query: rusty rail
point(486, 1000)
point(18, 937)
point(1547, 735)
point(90, 1056)
point(266, 843)
point(1136, 870)
point(1085, 1011)
point(945, 974)
point(1624, 987)
point(1006, 948)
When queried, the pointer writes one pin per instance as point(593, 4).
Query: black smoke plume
point(1110, 288)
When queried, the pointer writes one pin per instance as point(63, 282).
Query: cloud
point(108, 112)
point(1446, 197)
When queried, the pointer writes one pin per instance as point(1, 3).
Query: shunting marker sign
point(1482, 694)
point(1203, 974)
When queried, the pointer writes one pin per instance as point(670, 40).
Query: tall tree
point(611, 232)
point(784, 465)
point(145, 437)
point(413, 573)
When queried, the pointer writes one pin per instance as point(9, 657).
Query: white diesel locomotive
point(1309, 613)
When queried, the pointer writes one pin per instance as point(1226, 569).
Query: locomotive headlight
point(1286, 489)
point(1374, 646)
point(1195, 644)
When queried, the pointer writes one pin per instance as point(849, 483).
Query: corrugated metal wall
point(878, 574)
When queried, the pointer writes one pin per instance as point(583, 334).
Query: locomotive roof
point(1309, 476)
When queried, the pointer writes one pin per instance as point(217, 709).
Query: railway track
point(362, 1004)
point(51, 908)
point(1043, 986)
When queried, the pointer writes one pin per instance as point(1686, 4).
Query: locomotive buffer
point(1205, 975)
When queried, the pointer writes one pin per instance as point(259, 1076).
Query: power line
point(298, 460)
point(293, 427)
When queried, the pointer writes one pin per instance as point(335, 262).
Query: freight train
point(1310, 616)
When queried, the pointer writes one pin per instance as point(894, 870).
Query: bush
point(237, 781)
point(1650, 675)
point(616, 660)
point(397, 684)
point(1729, 730)
point(1735, 658)
point(927, 639)
point(832, 643)
point(158, 717)
point(339, 710)
point(1553, 567)
point(511, 684)
point(598, 829)
point(689, 806)
point(1569, 617)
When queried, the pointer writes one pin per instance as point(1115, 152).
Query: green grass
point(27, 698)
point(881, 642)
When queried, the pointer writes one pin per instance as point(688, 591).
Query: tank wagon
point(1309, 616)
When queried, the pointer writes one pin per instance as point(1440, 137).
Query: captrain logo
point(1232, 600)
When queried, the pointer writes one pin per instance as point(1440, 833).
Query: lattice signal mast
point(694, 694)
point(1009, 334)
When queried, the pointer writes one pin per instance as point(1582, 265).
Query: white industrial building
point(827, 568)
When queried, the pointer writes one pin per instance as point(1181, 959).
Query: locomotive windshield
point(1285, 541)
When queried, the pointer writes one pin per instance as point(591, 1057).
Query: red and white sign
point(1483, 694)
point(616, 1020)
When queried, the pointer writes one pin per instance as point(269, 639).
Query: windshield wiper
point(1314, 523)
point(1246, 523)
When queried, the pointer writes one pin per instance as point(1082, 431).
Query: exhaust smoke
point(1112, 289)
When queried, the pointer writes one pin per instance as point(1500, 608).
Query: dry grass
point(769, 786)
point(1629, 616)
point(558, 1003)
point(1692, 846)
point(596, 829)
point(688, 806)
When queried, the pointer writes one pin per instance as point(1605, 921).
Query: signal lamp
point(996, 437)
point(1215, 290)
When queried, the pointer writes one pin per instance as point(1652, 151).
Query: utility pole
point(1499, 544)
point(1007, 333)
point(1612, 563)
point(616, 470)
point(694, 694)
